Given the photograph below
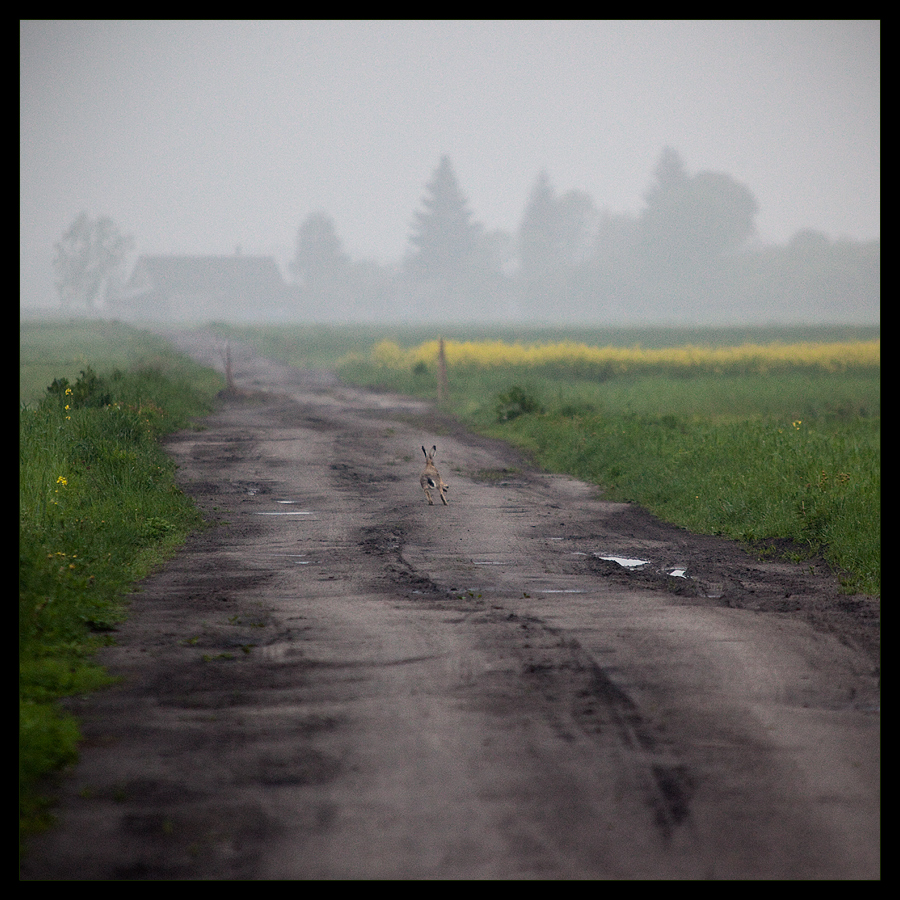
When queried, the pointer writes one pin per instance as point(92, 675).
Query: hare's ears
point(427, 454)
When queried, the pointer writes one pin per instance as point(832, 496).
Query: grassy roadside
point(98, 509)
point(815, 483)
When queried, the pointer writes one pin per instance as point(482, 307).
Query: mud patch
point(725, 573)
point(565, 684)
point(386, 543)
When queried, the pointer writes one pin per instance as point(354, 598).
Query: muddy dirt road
point(336, 680)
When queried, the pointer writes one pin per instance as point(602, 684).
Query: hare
point(431, 478)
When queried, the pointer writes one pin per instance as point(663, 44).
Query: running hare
point(431, 478)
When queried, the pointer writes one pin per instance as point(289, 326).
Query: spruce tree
point(447, 244)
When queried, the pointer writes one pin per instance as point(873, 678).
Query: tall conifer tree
point(448, 244)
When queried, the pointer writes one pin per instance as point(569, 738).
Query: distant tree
point(320, 262)
point(691, 221)
point(500, 250)
point(554, 239)
point(817, 279)
point(87, 259)
point(611, 274)
point(577, 223)
point(724, 214)
point(374, 293)
point(670, 183)
point(447, 244)
point(555, 231)
point(539, 238)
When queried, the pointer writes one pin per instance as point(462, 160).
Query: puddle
point(624, 561)
point(628, 563)
point(299, 512)
point(295, 558)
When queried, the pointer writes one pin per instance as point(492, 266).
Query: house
point(201, 289)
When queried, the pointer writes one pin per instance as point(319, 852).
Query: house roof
point(225, 276)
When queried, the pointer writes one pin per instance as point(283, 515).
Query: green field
point(784, 448)
point(98, 509)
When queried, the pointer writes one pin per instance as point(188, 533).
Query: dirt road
point(336, 680)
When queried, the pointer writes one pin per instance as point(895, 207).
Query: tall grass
point(98, 508)
point(49, 350)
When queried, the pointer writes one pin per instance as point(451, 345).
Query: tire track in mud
point(559, 670)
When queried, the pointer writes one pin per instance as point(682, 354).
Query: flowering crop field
point(582, 360)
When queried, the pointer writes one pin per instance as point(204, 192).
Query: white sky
point(196, 137)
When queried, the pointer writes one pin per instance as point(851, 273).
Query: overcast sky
point(197, 137)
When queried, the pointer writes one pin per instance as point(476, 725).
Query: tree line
point(688, 257)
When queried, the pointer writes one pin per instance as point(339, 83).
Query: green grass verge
point(98, 509)
point(816, 484)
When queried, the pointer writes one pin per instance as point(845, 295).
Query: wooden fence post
point(443, 386)
point(230, 387)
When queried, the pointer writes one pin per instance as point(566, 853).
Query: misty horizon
point(210, 138)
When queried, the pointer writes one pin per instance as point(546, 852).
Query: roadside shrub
point(514, 403)
point(89, 390)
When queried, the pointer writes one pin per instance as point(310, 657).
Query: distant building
point(202, 289)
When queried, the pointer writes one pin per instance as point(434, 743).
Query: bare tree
point(89, 256)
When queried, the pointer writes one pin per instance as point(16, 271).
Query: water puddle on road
point(287, 512)
point(559, 591)
point(295, 558)
point(628, 563)
point(624, 561)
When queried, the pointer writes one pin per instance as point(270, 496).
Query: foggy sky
point(198, 137)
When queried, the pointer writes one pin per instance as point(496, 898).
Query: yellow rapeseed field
point(610, 361)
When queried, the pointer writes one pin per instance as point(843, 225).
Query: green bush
point(514, 403)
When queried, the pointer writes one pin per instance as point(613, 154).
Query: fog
point(224, 138)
